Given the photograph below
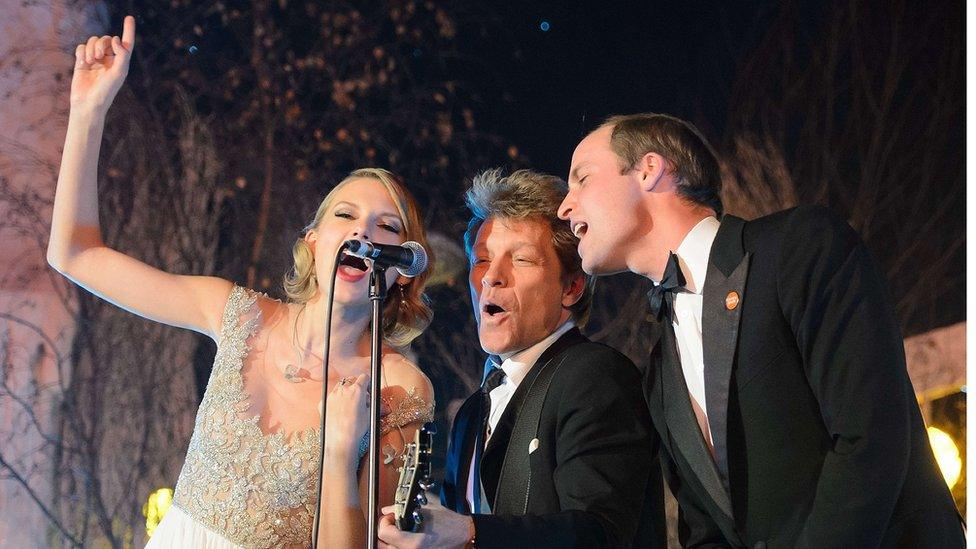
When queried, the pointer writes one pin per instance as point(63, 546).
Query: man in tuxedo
point(777, 379)
point(553, 450)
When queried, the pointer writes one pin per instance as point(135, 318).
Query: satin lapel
point(683, 428)
point(720, 334)
point(653, 394)
point(491, 462)
point(466, 424)
point(722, 300)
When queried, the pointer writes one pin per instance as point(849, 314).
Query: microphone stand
point(377, 293)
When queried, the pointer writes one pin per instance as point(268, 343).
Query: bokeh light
point(946, 454)
point(156, 507)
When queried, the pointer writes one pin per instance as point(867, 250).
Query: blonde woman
point(249, 478)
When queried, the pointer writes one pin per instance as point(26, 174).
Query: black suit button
point(760, 545)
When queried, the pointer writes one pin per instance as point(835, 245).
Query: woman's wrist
point(340, 460)
point(86, 114)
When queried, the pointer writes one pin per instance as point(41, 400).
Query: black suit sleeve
point(833, 297)
point(604, 451)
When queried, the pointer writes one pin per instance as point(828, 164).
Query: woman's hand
point(346, 422)
point(101, 65)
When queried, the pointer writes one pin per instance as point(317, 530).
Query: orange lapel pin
point(732, 300)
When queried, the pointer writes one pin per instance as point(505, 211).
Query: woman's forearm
point(74, 224)
point(342, 522)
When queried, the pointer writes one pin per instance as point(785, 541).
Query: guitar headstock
point(414, 480)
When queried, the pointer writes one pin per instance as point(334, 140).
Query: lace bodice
point(256, 489)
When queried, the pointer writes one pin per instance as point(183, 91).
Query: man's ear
point(654, 170)
point(573, 290)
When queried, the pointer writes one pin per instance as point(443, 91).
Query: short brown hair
point(406, 313)
point(529, 195)
point(692, 159)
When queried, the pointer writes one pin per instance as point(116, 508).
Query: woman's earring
point(389, 453)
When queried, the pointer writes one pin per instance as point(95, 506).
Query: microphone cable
point(325, 395)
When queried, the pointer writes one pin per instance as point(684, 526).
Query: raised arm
point(75, 247)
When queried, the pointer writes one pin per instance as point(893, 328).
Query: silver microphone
point(409, 258)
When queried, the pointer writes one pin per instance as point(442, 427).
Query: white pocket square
point(534, 445)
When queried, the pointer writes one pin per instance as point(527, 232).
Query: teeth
point(578, 229)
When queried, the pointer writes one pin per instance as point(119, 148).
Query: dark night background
point(599, 59)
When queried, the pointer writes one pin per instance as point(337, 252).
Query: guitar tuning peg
point(421, 499)
point(427, 484)
point(418, 521)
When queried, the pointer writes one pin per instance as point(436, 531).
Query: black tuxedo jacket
point(818, 438)
point(594, 482)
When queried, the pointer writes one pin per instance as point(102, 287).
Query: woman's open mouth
point(352, 268)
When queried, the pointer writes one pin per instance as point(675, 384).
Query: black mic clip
point(409, 258)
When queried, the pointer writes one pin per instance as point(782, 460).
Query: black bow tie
point(663, 293)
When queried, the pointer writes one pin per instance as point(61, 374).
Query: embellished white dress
point(239, 486)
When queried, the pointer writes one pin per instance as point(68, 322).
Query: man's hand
point(442, 529)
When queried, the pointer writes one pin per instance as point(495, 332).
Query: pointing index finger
point(129, 32)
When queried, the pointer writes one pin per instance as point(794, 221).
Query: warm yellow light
point(155, 507)
point(946, 454)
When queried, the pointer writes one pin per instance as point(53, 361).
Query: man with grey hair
point(553, 450)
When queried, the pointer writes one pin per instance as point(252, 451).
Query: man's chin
point(494, 347)
point(597, 267)
point(496, 350)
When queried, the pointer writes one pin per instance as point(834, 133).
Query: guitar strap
point(515, 478)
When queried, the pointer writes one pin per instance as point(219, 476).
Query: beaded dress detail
point(253, 488)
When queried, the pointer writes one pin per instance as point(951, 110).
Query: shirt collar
point(518, 364)
point(693, 253)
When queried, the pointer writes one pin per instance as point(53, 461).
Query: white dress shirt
point(516, 365)
point(687, 318)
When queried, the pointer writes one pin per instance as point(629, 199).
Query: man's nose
point(566, 207)
point(493, 277)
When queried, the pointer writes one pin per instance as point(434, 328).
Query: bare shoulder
point(270, 307)
point(402, 377)
point(407, 391)
point(209, 294)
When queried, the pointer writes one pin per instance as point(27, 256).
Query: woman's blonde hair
point(406, 313)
